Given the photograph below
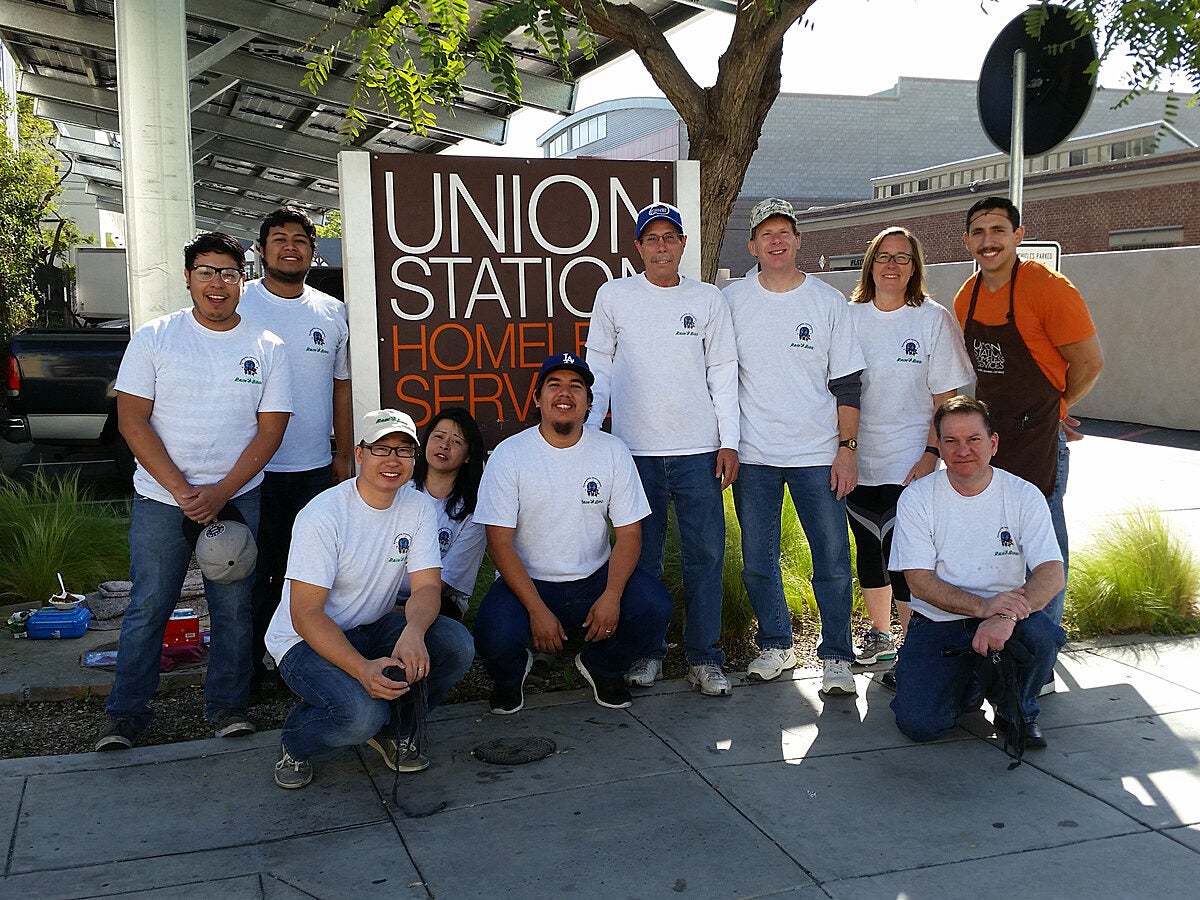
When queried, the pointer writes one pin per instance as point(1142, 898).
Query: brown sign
point(486, 266)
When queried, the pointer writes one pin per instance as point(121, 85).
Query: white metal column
point(156, 159)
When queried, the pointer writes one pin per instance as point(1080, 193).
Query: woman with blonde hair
point(915, 360)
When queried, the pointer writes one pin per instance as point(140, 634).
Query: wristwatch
point(849, 442)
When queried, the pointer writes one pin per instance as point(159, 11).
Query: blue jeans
point(933, 690)
point(758, 498)
point(1054, 609)
point(283, 495)
point(158, 561)
point(336, 711)
point(700, 512)
point(502, 631)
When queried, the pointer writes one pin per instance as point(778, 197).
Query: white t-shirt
point(461, 544)
point(316, 337)
point(359, 553)
point(665, 359)
point(208, 388)
point(912, 353)
point(560, 501)
point(790, 345)
point(982, 544)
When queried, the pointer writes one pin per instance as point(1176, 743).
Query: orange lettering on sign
point(496, 358)
point(475, 388)
point(444, 383)
point(408, 398)
point(521, 408)
point(456, 329)
point(527, 341)
point(581, 328)
point(397, 347)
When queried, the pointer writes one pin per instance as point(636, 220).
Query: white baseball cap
point(381, 422)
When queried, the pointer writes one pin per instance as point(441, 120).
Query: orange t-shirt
point(1049, 312)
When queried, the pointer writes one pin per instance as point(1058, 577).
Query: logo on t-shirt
point(989, 357)
point(911, 349)
point(400, 543)
point(1004, 536)
point(318, 339)
point(591, 492)
point(445, 539)
point(688, 324)
point(249, 367)
point(804, 334)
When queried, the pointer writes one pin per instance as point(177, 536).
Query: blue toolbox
point(59, 623)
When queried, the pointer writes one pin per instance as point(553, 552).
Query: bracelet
point(1005, 616)
point(933, 450)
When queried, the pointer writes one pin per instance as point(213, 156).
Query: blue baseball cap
point(563, 361)
point(658, 211)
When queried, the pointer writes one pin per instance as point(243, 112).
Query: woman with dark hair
point(915, 360)
point(448, 469)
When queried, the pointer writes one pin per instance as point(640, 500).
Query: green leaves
point(411, 56)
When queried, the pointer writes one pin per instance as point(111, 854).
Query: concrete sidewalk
point(773, 791)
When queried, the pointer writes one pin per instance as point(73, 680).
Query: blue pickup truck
point(58, 389)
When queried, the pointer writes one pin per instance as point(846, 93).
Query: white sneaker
point(771, 664)
point(838, 679)
point(644, 672)
point(709, 680)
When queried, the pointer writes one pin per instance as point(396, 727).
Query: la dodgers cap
point(772, 206)
point(564, 361)
point(658, 211)
point(225, 548)
point(382, 422)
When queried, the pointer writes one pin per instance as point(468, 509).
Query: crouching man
point(337, 629)
point(977, 548)
point(547, 497)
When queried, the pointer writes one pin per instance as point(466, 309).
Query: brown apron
point(1025, 405)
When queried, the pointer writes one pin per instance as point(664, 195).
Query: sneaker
point(232, 723)
point(644, 672)
point(838, 679)
point(507, 699)
point(1047, 688)
point(876, 647)
point(1034, 738)
point(399, 757)
point(888, 679)
point(292, 773)
point(117, 735)
point(771, 663)
point(609, 692)
point(709, 680)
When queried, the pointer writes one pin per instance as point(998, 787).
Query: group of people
point(776, 382)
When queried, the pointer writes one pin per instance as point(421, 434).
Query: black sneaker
point(1034, 738)
point(232, 723)
point(117, 735)
point(609, 692)
point(507, 699)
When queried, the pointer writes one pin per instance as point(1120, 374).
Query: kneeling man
point(337, 629)
point(547, 498)
point(978, 549)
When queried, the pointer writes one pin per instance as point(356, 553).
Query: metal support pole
point(1016, 158)
point(156, 158)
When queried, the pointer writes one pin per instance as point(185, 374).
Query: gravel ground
point(49, 729)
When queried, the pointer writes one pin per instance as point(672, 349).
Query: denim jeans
point(283, 495)
point(158, 561)
point(502, 631)
point(1054, 609)
point(336, 711)
point(758, 497)
point(700, 512)
point(933, 690)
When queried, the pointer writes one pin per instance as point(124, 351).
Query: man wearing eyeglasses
point(799, 386)
point(662, 349)
point(337, 629)
point(314, 329)
point(203, 398)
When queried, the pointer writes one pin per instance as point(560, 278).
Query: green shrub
point(1137, 577)
point(49, 526)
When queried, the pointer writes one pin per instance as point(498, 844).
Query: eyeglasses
point(670, 239)
point(900, 259)
point(205, 274)
point(404, 452)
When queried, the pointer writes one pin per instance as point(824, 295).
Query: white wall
point(1146, 306)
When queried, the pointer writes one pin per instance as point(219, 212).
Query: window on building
point(923, 184)
point(560, 145)
point(896, 190)
point(589, 131)
point(1076, 158)
point(1146, 238)
point(1119, 149)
